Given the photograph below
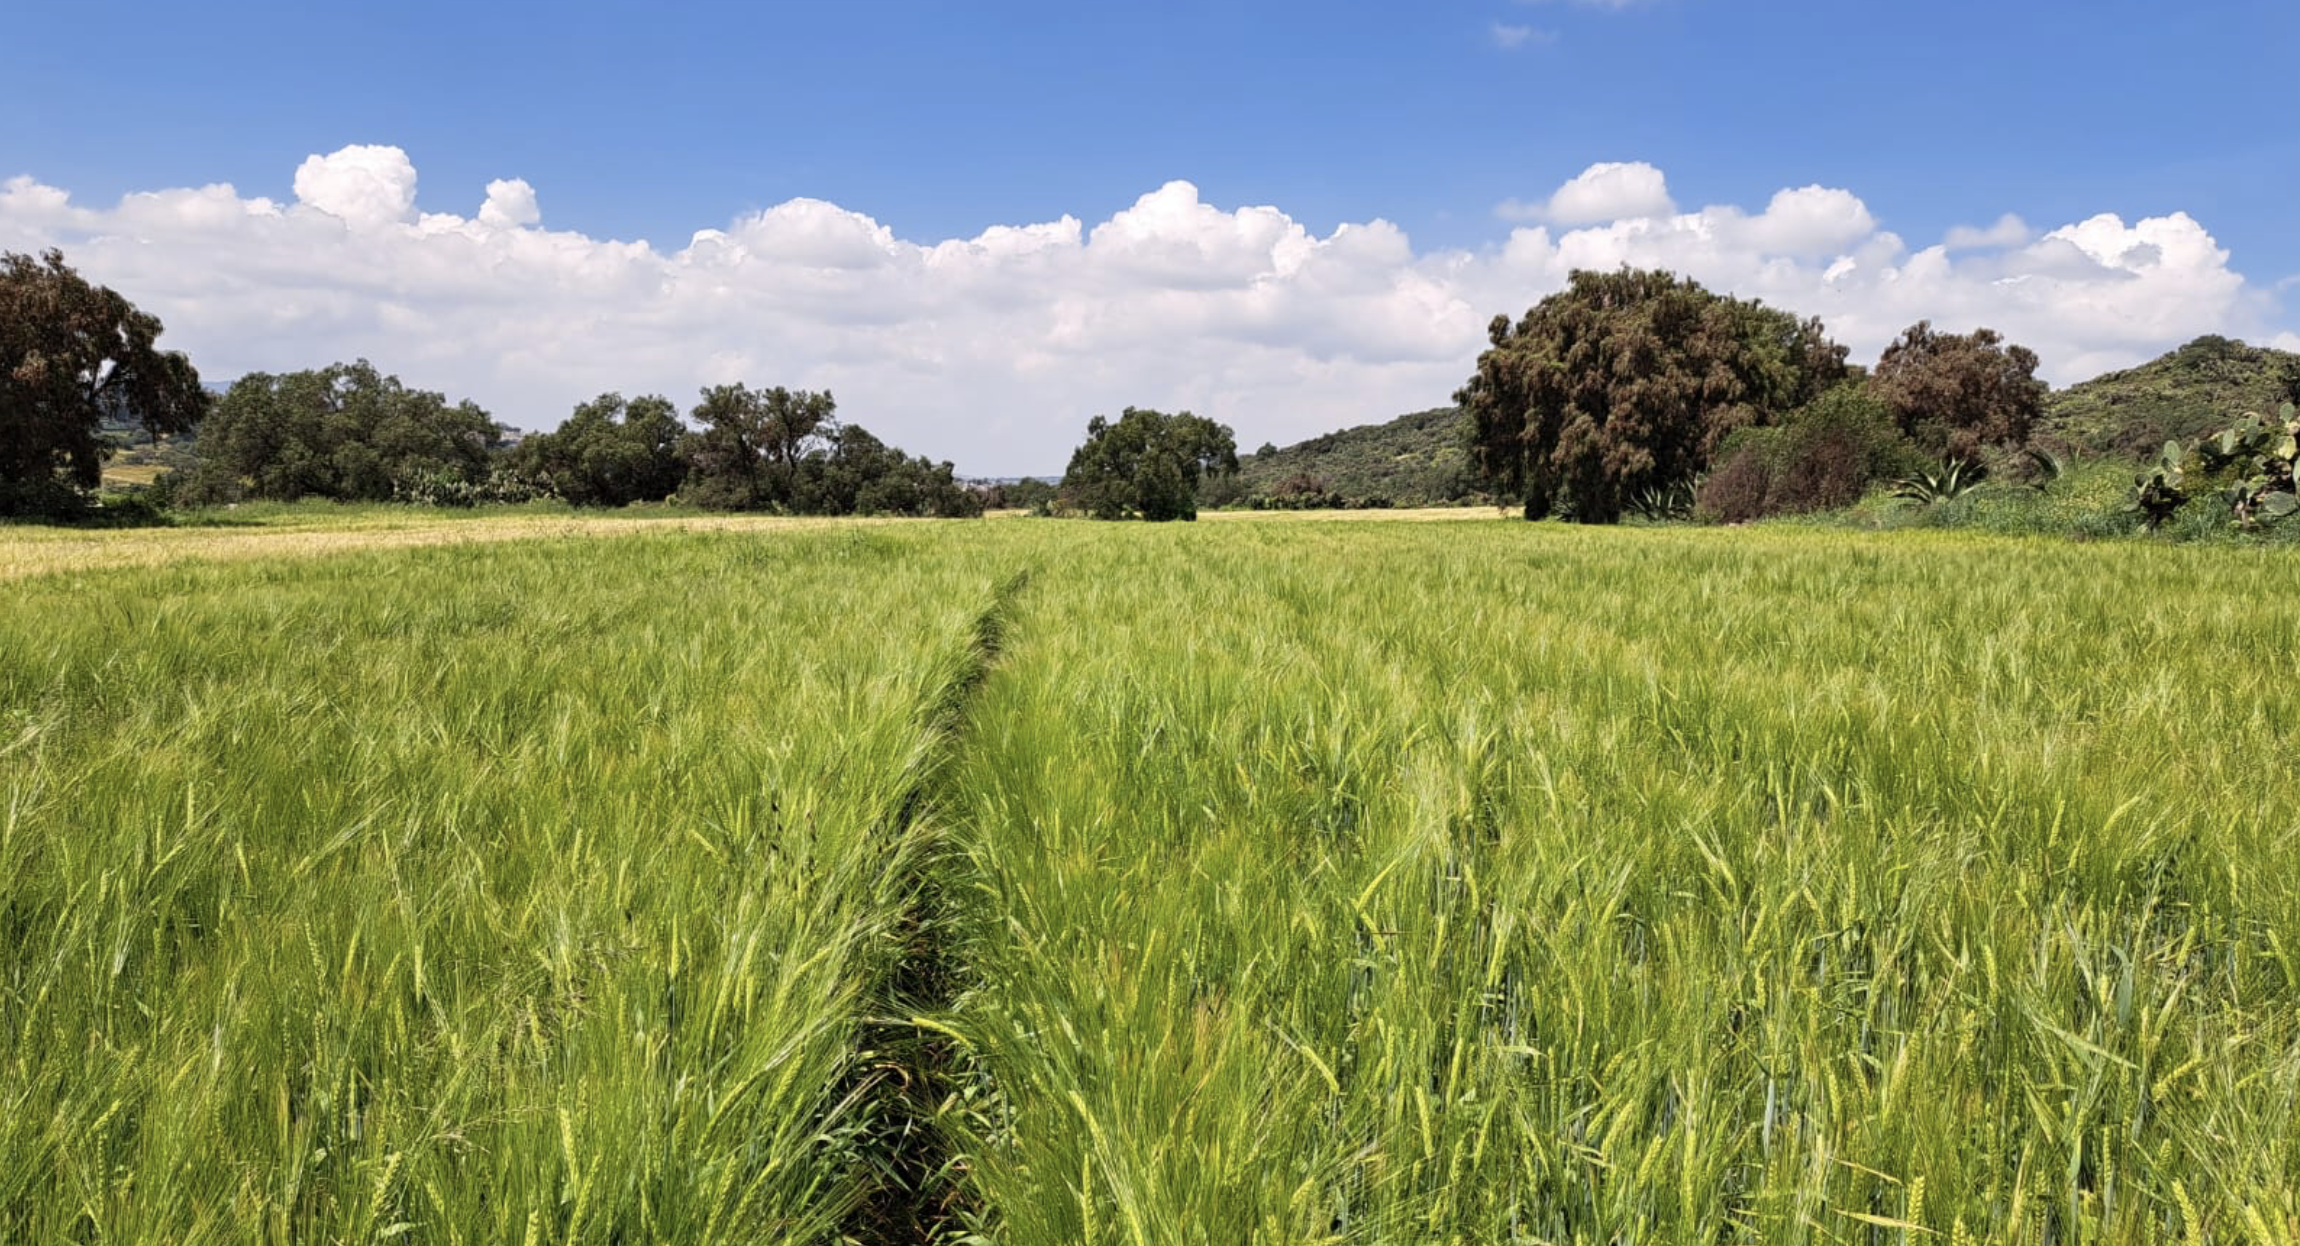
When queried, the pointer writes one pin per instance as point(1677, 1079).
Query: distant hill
point(1413, 460)
point(2200, 387)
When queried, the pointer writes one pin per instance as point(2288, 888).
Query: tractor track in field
point(915, 1194)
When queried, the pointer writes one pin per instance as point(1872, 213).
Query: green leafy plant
point(2157, 495)
point(1955, 479)
point(2045, 466)
point(443, 488)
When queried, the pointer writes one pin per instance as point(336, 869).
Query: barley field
point(532, 891)
point(1030, 882)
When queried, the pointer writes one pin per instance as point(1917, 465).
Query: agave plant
point(2045, 466)
point(1666, 503)
point(1955, 479)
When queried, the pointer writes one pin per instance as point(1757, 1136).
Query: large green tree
point(610, 452)
point(1631, 380)
point(862, 475)
point(746, 453)
point(784, 450)
point(1958, 394)
point(1147, 463)
point(73, 355)
point(345, 431)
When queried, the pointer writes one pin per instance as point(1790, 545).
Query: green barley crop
point(516, 893)
point(1390, 884)
point(1349, 882)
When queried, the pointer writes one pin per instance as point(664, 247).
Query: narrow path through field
point(915, 1196)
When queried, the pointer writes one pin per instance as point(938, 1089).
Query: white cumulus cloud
point(1608, 191)
point(992, 350)
point(363, 186)
point(2009, 231)
point(1813, 222)
point(509, 204)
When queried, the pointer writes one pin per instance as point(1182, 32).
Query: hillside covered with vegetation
point(2180, 395)
point(1421, 459)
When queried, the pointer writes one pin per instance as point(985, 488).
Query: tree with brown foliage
point(1957, 394)
point(73, 355)
point(1631, 380)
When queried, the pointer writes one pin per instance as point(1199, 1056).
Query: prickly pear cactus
point(2157, 495)
point(2249, 464)
point(2266, 452)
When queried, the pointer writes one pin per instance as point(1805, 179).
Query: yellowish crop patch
point(30, 550)
point(132, 473)
point(1410, 513)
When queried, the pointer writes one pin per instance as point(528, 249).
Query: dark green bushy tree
point(72, 355)
point(1147, 463)
point(610, 452)
point(345, 431)
point(862, 475)
point(746, 454)
point(1632, 380)
point(783, 450)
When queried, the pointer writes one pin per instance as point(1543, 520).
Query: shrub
point(1736, 491)
point(445, 488)
point(1825, 455)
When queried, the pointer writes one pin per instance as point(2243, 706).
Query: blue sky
point(937, 122)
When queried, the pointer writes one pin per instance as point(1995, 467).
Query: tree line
point(350, 433)
point(77, 359)
point(1627, 391)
